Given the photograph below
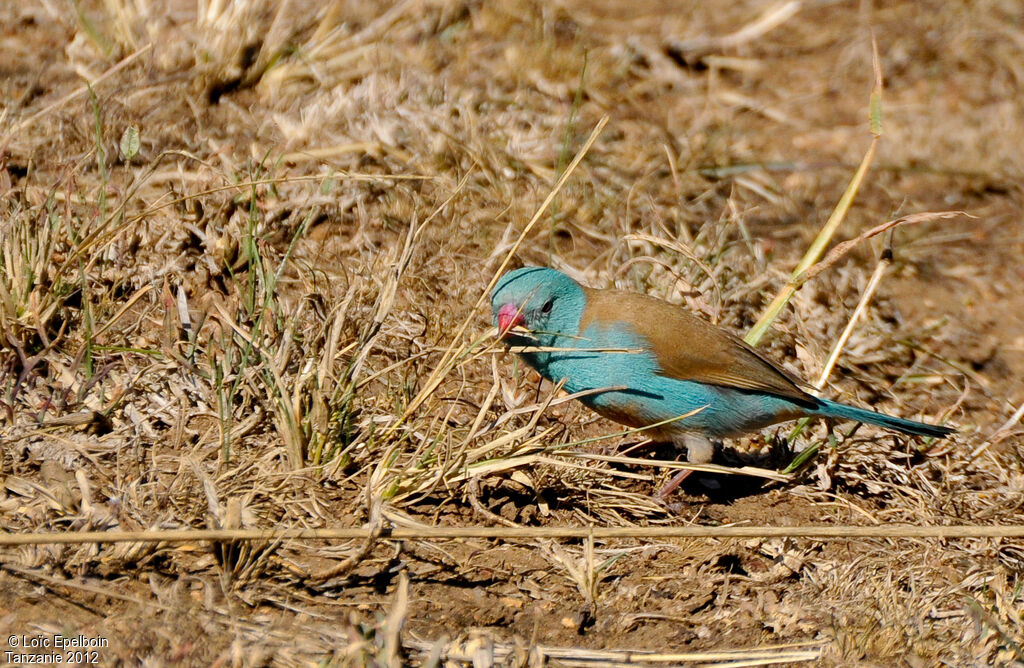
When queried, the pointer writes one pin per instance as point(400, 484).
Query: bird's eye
point(547, 306)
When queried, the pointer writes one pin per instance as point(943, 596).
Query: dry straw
point(516, 533)
point(415, 433)
point(815, 250)
point(483, 651)
point(454, 349)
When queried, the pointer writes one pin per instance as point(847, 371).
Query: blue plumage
point(658, 362)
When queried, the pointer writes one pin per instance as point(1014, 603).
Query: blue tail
point(834, 409)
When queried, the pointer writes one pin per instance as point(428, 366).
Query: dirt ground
point(241, 288)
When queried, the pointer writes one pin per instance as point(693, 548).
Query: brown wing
point(689, 348)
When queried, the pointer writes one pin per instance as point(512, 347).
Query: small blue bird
point(658, 362)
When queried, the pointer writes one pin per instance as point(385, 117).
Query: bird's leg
point(699, 450)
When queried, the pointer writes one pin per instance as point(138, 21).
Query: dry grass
point(258, 313)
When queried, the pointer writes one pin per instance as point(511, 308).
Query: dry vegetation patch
point(241, 248)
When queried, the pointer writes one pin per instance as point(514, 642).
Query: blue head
point(545, 301)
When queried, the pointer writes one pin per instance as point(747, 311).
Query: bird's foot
point(699, 450)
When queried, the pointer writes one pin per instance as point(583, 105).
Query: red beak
point(508, 317)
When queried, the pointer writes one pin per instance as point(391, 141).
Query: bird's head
point(543, 301)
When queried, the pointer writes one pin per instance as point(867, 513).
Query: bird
point(654, 366)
